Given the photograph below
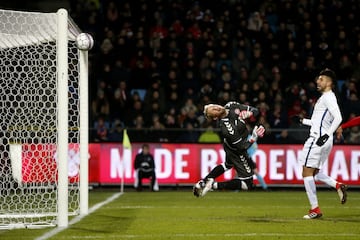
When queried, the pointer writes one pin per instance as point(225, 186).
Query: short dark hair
point(329, 73)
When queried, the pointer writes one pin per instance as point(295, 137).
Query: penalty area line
point(79, 217)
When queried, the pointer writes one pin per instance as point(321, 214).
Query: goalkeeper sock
point(310, 188)
point(234, 184)
point(325, 179)
point(216, 172)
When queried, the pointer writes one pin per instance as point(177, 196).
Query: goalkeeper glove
point(258, 131)
point(322, 140)
point(245, 114)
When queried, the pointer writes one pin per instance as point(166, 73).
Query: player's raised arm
point(244, 111)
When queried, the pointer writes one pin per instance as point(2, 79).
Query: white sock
point(325, 179)
point(310, 188)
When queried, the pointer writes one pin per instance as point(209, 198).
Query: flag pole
point(126, 145)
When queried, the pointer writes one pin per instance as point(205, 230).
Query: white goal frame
point(66, 31)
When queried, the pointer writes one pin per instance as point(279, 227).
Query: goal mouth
point(41, 70)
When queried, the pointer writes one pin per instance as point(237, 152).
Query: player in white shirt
point(325, 119)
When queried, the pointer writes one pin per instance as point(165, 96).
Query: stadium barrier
point(184, 164)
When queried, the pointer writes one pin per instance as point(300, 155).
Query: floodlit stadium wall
point(184, 164)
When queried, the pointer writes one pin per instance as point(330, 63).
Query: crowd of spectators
point(156, 63)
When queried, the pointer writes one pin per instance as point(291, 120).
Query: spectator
point(352, 105)
point(239, 40)
point(225, 95)
point(116, 133)
point(177, 27)
point(138, 122)
point(119, 73)
point(190, 81)
point(137, 110)
point(159, 30)
point(100, 106)
point(240, 61)
point(172, 101)
point(139, 66)
point(224, 64)
point(186, 108)
point(120, 101)
point(107, 49)
point(208, 91)
point(278, 116)
point(191, 118)
point(101, 129)
point(195, 30)
point(243, 98)
point(348, 88)
point(112, 14)
point(255, 23)
point(170, 119)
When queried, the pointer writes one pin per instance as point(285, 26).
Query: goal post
point(43, 120)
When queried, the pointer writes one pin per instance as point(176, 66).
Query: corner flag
point(126, 145)
point(126, 141)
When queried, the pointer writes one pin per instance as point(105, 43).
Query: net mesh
point(28, 120)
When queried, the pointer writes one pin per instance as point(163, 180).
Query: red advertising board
point(187, 163)
point(39, 163)
point(183, 164)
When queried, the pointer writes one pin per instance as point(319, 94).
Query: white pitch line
point(226, 207)
point(219, 235)
point(79, 217)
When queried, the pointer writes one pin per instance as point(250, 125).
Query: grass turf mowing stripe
point(222, 235)
point(79, 217)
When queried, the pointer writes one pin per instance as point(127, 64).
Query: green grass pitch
point(219, 215)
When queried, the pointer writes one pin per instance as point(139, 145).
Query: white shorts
point(314, 156)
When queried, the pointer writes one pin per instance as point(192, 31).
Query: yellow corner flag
point(126, 140)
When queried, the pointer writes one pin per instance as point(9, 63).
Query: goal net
point(39, 125)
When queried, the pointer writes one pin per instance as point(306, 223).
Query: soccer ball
point(84, 41)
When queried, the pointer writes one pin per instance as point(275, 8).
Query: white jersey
point(325, 119)
point(326, 116)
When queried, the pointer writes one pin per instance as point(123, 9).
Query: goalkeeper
point(232, 118)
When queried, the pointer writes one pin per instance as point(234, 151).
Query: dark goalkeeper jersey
point(235, 133)
point(233, 129)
